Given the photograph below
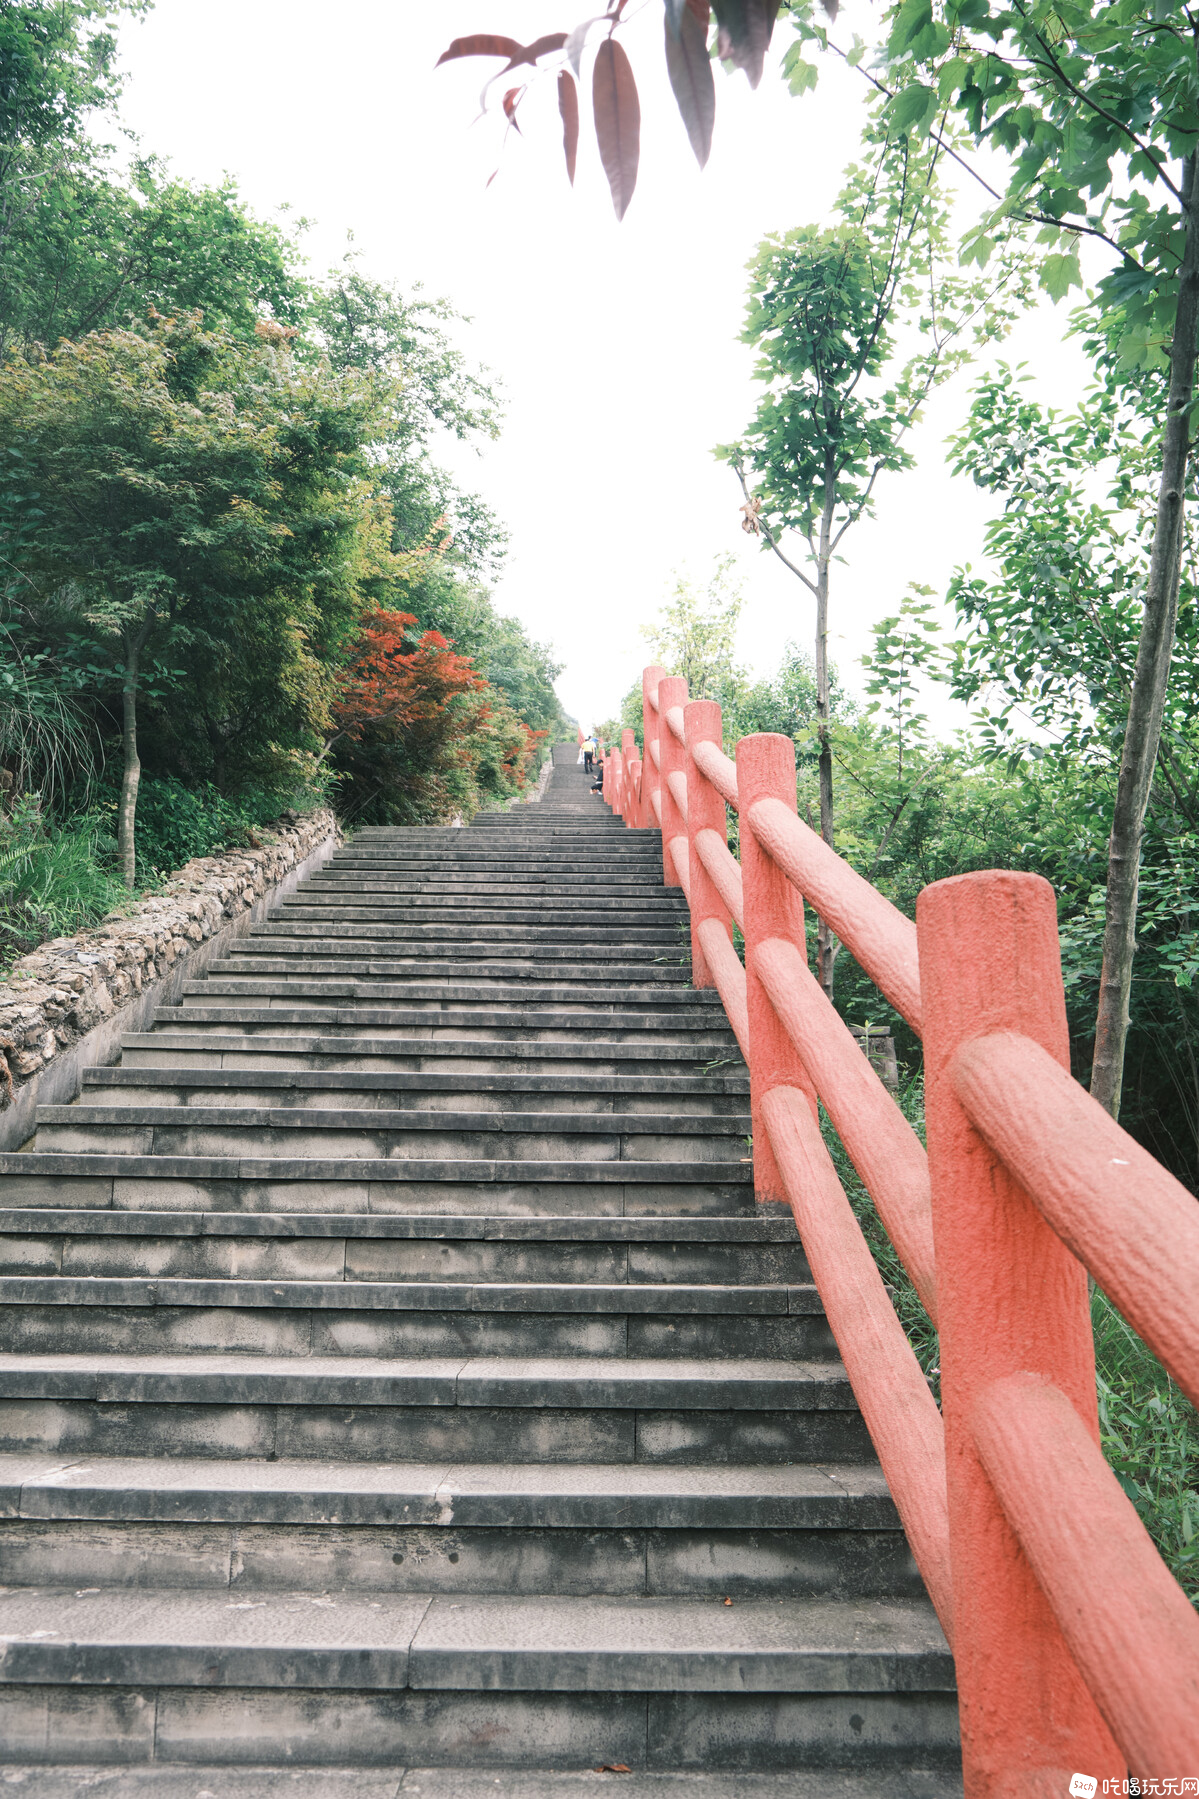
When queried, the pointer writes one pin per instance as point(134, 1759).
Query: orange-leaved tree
point(419, 733)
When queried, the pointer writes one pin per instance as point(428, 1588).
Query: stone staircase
point(400, 1391)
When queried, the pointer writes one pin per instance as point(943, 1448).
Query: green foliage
point(831, 311)
point(1091, 104)
point(1150, 1435)
point(53, 881)
point(912, 1315)
point(695, 633)
point(175, 822)
point(93, 253)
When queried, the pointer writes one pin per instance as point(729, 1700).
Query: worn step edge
point(551, 1496)
point(474, 1382)
point(128, 1638)
point(518, 1297)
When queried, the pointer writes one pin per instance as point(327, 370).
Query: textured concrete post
point(628, 750)
point(1012, 1301)
point(773, 908)
point(705, 811)
point(672, 691)
point(649, 737)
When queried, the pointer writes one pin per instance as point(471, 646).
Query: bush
point(52, 880)
point(175, 823)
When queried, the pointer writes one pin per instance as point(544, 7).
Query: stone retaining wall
point(65, 1006)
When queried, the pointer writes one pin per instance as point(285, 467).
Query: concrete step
point(447, 909)
point(505, 945)
point(484, 969)
point(290, 1131)
point(476, 1409)
point(597, 941)
point(396, 1369)
point(311, 1640)
point(130, 1314)
point(528, 1023)
point(833, 1497)
point(164, 1781)
point(499, 1187)
point(449, 988)
point(170, 1044)
point(444, 1089)
point(337, 1246)
point(245, 1528)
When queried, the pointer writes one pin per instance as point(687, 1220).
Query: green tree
point(831, 312)
point(91, 252)
point(695, 633)
point(57, 73)
point(1096, 107)
point(182, 478)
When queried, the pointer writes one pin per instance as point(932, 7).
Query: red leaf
point(568, 106)
point(745, 31)
point(617, 121)
point(543, 45)
point(690, 71)
point(485, 43)
point(481, 44)
point(511, 102)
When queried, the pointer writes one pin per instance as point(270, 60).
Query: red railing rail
point(1076, 1650)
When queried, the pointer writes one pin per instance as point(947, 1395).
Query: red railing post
point(616, 796)
point(651, 779)
point(672, 691)
point(773, 908)
point(1011, 1300)
point(628, 750)
point(705, 811)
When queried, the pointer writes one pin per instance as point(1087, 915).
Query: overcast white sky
point(616, 344)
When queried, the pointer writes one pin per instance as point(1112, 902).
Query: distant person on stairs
point(589, 748)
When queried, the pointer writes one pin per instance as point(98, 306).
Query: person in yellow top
point(589, 748)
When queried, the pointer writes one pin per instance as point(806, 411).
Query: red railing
point(1076, 1650)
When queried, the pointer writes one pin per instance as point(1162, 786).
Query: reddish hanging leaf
point(617, 121)
point(675, 9)
point(543, 45)
point(511, 102)
point(481, 44)
point(690, 71)
point(485, 43)
point(745, 31)
point(568, 106)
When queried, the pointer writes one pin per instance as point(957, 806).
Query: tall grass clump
point(53, 879)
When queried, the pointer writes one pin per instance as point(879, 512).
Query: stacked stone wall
point(64, 989)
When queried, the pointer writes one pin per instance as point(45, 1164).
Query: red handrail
point(1075, 1648)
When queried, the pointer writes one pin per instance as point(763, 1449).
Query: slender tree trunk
point(1143, 730)
point(131, 772)
point(825, 946)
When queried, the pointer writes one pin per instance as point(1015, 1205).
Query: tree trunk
point(131, 773)
point(1142, 732)
point(826, 948)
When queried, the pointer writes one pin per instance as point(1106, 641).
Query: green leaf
point(1059, 274)
point(912, 107)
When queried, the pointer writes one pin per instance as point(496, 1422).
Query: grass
point(52, 881)
point(1148, 1428)
point(58, 879)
